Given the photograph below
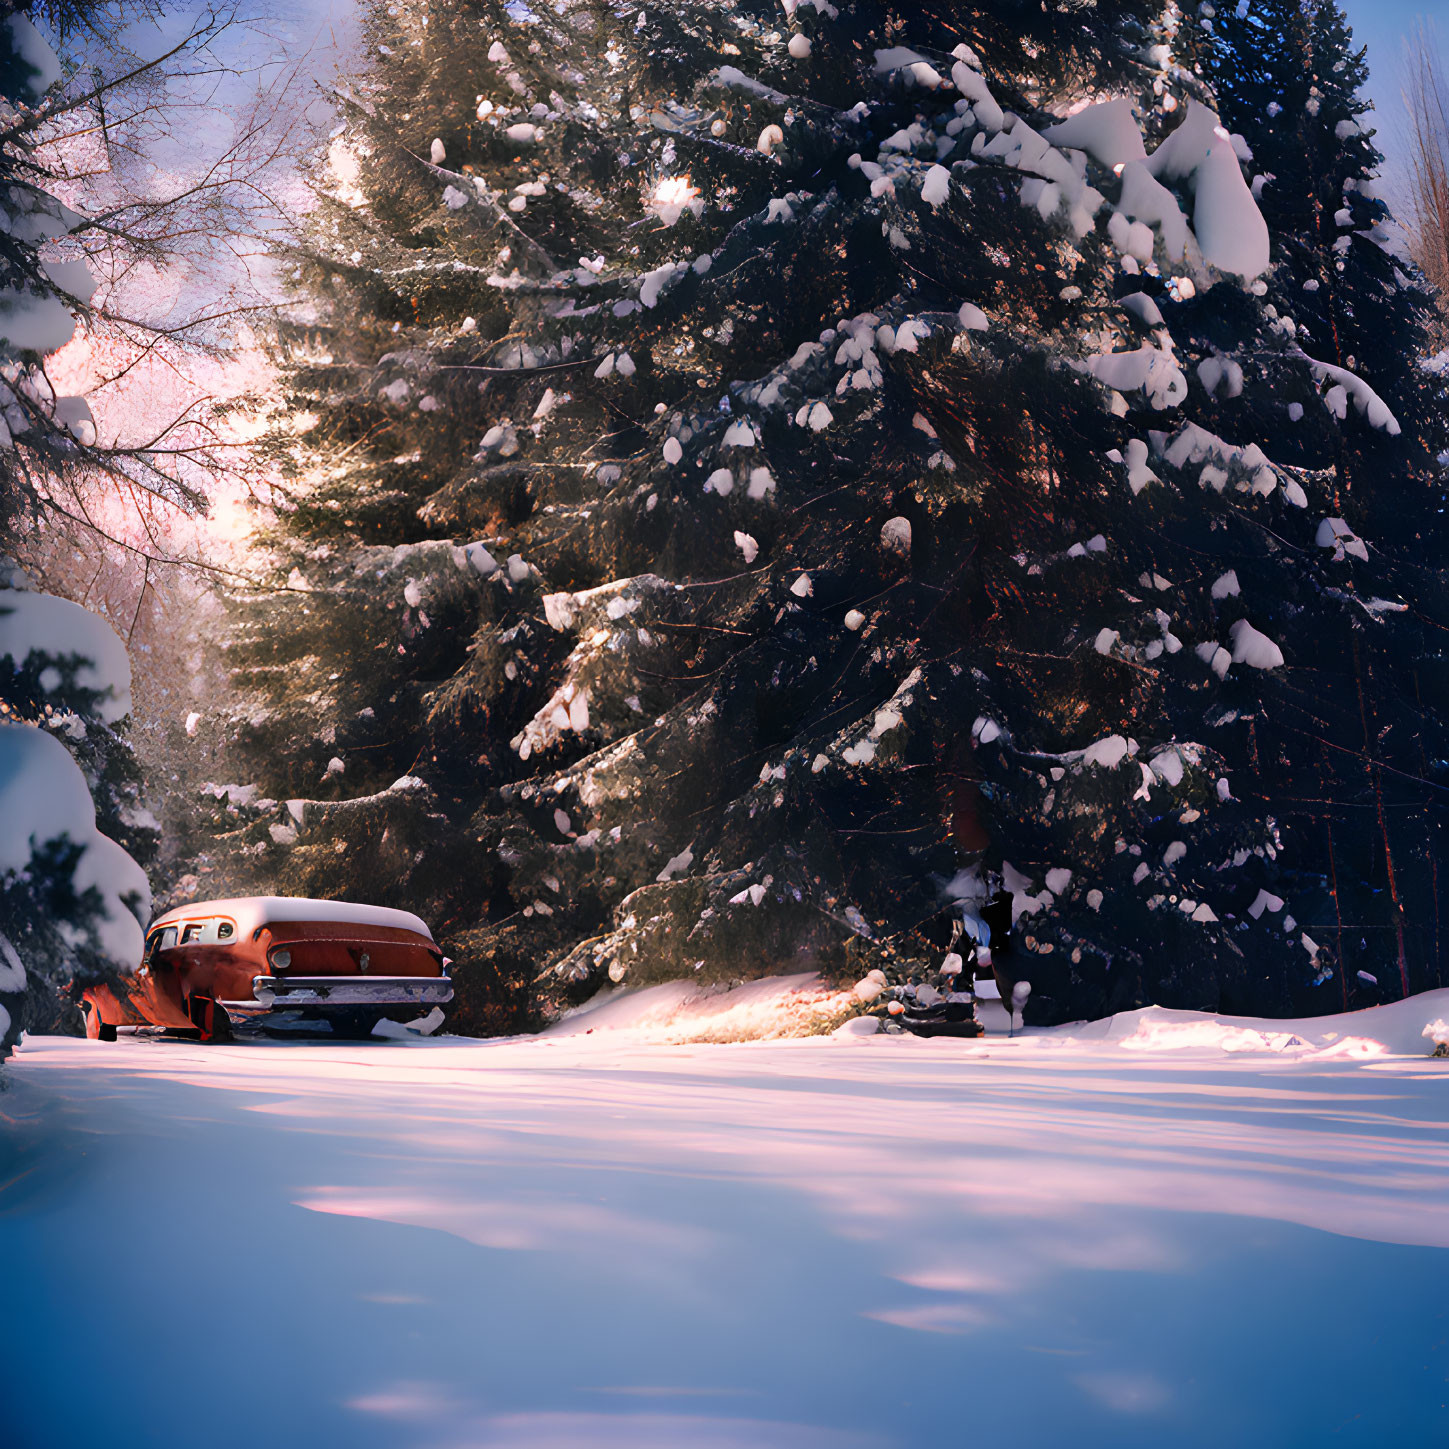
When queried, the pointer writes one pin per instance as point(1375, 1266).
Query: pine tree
point(74, 833)
point(1342, 268)
point(1293, 82)
point(850, 523)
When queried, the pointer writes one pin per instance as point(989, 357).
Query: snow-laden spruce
point(72, 900)
point(969, 381)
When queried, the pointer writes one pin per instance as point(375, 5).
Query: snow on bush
point(1374, 409)
point(1052, 181)
point(968, 80)
point(1145, 201)
point(44, 797)
point(30, 48)
point(1229, 227)
point(1334, 533)
point(41, 626)
point(73, 900)
point(1195, 444)
point(1139, 475)
point(1252, 648)
point(1149, 369)
point(1107, 753)
point(1108, 132)
point(936, 188)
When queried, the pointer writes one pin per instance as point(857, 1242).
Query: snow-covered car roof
point(252, 912)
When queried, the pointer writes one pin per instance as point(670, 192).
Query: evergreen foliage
point(39, 292)
point(752, 492)
point(1292, 81)
point(74, 833)
point(1292, 84)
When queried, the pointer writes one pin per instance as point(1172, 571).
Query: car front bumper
point(322, 995)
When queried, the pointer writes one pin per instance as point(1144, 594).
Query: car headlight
point(281, 959)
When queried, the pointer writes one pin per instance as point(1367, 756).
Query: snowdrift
point(801, 1005)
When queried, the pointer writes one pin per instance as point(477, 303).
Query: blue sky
point(1382, 25)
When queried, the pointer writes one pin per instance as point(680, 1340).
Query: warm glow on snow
point(675, 191)
point(346, 168)
point(673, 196)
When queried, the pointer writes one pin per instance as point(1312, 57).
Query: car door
point(163, 964)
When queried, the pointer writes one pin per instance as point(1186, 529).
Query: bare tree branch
point(1426, 97)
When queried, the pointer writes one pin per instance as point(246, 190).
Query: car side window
point(191, 933)
point(225, 931)
point(167, 939)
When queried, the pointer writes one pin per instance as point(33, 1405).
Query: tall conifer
point(762, 484)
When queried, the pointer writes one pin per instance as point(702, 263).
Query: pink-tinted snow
point(1164, 1228)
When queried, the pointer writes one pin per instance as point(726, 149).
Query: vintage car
point(276, 962)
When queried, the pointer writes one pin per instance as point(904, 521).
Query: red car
point(277, 961)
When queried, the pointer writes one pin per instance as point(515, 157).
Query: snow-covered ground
point(1163, 1230)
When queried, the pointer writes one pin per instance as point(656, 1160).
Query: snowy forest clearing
point(728, 486)
point(1163, 1229)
